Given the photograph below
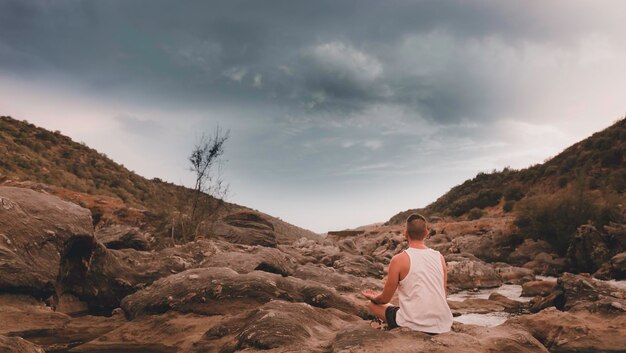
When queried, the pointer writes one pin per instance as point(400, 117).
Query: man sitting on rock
point(421, 275)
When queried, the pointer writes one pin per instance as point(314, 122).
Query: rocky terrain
point(67, 287)
point(92, 259)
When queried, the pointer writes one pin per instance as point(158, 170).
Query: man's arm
point(445, 275)
point(393, 278)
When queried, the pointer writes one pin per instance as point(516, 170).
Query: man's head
point(416, 227)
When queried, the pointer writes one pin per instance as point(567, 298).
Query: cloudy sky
point(341, 113)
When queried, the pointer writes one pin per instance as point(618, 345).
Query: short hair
point(416, 226)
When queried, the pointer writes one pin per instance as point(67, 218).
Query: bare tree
point(209, 189)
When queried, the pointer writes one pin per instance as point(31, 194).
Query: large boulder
point(542, 288)
point(614, 268)
point(331, 277)
point(218, 291)
point(247, 228)
point(26, 317)
point(468, 272)
point(33, 228)
point(584, 292)
point(18, 345)
point(463, 338)
point(246, 259)
point(492, 246)
point(574, 332)
point(99, 277)
point(588, 250)
point(167, 333)
point(527, 251)
point(119, 236)
point(513, 274)
point(277, 324)
point(547, 264)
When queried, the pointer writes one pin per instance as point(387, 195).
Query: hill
point(36, 158)
point(594, 165)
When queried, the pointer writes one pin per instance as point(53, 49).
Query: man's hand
point(369, 294)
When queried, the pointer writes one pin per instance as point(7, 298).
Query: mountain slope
point(34, 157)
point(596, 164)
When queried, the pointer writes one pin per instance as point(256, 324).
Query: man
point(420, 275)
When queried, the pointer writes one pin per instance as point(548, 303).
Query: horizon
point(340, 115)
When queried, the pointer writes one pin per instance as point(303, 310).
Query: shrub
point(514, 193)
point(555, 218)
point(475, 213)
point(508, 206)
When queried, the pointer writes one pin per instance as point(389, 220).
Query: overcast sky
point(341, 113)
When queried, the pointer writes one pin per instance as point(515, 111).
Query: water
point(511, 291)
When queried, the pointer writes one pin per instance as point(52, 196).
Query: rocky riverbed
point(250, 286)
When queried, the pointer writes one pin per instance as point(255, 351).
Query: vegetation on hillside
point(594, 168)
point(38, 155)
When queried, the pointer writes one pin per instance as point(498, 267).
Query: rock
point(582, 291)
point(475, 306)
point(168, 333)
point(574, 332)
point(248, 259)
point(514, 275)
point(30, 319)
point(534, 288)
point(492, 246)
point(277, 324)
point(330, 277)
point(123, 237)
point(247, 228)
point(464, 338)
point(220, 291)
point(101, 277)
point(587, 250)
point(18, 345)
point(554, 299)
point(527, 251)
point(510, 305)
point(359, 266)
point(465, 273)
point(547, 264)
point(33, 228)
point(615, 268)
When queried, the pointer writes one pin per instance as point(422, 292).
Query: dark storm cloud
point(306, 57)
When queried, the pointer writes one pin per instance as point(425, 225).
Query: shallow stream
point(511, 291)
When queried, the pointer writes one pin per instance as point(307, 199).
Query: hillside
point(596, 165)
point(36, 158)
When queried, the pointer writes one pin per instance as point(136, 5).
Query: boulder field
point(65, 287)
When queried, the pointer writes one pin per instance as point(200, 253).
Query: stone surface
point(513, 274)
point(588, 250)
point(247, 228)
point(574, 332)
point(547, 264)
point(53, 331)
point(542, 288)
point(467, 272)
point(123, 237)
point(18, 345)
point(33, 228)
point(219, 291)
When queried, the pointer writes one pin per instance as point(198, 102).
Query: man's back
point(422, 294)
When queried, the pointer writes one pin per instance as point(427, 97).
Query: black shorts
point(390, 316)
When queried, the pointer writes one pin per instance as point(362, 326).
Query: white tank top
point(423, 304)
